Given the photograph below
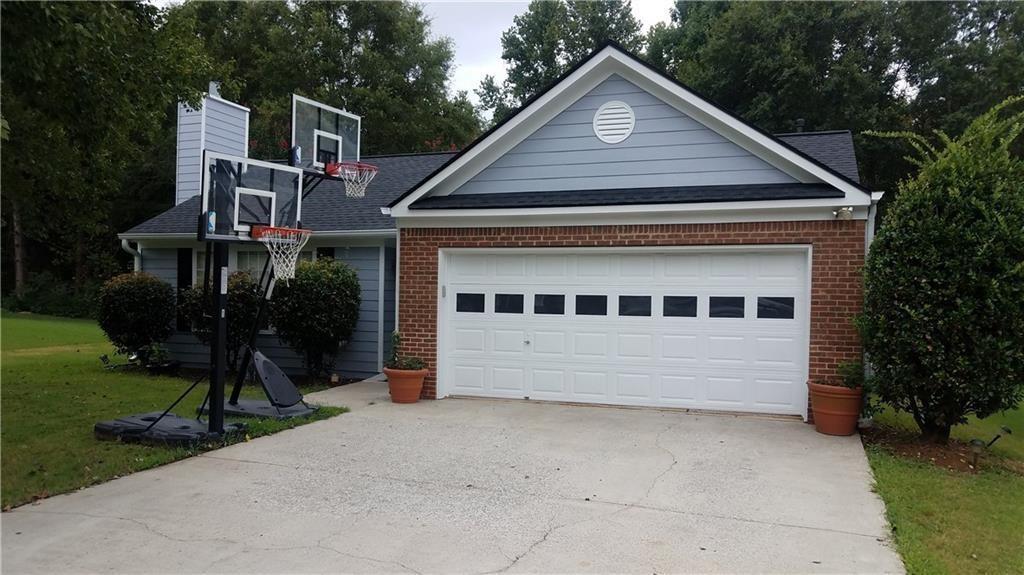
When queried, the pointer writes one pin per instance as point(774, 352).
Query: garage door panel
point(680, 355)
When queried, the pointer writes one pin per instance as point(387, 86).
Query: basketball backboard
point(239, 193)
point(322, 134)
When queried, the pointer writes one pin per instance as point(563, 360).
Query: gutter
point(385, 233)
point(134, 252)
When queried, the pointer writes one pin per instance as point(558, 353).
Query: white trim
point(444, 253)
point(613, 61)
point(316, 145)
point(232, 104)
point(380, 311)
point(239, 192)
point(341, 234)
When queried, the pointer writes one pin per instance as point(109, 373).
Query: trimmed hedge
point(136, 311)
point(243, 305)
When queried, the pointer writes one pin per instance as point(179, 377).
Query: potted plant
point(405, 374)
point(837, 406)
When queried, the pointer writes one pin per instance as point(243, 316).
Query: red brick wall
point(838, 255)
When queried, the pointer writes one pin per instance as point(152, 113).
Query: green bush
point(45, 293)
point(399, 361)
point(316, 312)
point(136, 311)
point(943, 320)
point(243, 305)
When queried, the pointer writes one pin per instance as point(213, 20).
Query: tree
point(316, 312)
point(548, 39)
point(373, 58)
point(86, 90)
point(831, 64)
point(943, 320)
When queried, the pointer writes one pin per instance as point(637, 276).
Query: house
point(618, 240)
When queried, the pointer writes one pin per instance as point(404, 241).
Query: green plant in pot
point(837, 403)
point(405, 373)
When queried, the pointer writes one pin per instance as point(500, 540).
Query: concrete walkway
point(475, 486)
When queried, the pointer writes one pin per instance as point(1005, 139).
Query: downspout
point(869, 235)
point(134, 252)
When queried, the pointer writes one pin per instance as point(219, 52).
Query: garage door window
point(591, 305)
point(774, 308)
point(549, 304)
point(680, 306)
point(720, 306)
point(508, 303)
point(469, 302)
point(635, 305)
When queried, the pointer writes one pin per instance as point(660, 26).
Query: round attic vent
point(614, 122)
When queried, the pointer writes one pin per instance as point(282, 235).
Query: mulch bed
point(954, 456)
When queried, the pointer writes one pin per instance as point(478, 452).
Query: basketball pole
point(218, 339)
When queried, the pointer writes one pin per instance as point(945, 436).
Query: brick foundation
point(837, 258)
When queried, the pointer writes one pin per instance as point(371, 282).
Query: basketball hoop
point(356, 176)
point(284, 245)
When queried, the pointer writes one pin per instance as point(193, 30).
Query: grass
point(54, 389)
point(953, 522)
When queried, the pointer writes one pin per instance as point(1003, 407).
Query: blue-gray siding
point(358, 359)
point(666, 148)
point(225, 132)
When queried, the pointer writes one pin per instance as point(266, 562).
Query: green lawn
point(54, 389)
point(953, 522)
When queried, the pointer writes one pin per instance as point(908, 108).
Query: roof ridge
point(816, 133)
point(403, 154)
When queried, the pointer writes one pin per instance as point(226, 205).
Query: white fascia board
point(388, 233)
point(511, 218)
point(612, 61)
point(228, 103)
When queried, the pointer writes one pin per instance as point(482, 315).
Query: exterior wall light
point(844, 213)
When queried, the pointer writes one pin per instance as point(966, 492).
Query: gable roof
point(795, 155)
point(326, 208)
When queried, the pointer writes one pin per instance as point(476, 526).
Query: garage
point(723, 328)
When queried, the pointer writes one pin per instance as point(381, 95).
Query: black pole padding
point(218, 339)
point(266, 277)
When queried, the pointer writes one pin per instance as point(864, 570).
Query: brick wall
point(838, 255)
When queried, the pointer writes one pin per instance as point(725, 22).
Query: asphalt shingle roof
point(328, 209)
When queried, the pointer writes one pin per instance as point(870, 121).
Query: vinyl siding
point(225, 132)
point(666, 148)
point(357, 359)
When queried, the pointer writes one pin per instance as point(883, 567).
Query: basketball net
point(356, 176)
point(284, 246)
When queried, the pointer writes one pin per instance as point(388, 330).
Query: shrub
point(243, 304)
point(399, 361)
point(136, 311)
point(943, 320)
point(316, 311)
point(45, 293)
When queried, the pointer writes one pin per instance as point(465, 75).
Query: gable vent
point(614, 122)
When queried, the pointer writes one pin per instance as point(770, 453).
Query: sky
point(476, 28)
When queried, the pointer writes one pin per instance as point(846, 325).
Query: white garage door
point(719, 330)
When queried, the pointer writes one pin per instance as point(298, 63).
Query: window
point(591, 305)
point(721, 306)
point(469, 302)
point(775, 308)
point(680, 306)
point(635, 305)
point(200, 268)
point(549, 304)
point(508, 303)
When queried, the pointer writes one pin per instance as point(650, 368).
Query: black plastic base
point(263, 409)
point(171, 430)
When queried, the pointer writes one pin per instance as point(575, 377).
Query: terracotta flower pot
point(405, 385)
point(836, 409)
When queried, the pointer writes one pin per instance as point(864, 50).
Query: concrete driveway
point(475, 486)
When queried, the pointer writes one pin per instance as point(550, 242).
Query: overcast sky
point(476, 27)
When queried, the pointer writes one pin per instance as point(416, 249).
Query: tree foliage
point(374, 58)
point(136, 311)
point(316, 312)
point(549, 38)
point(244, 296)
point(943, 320)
